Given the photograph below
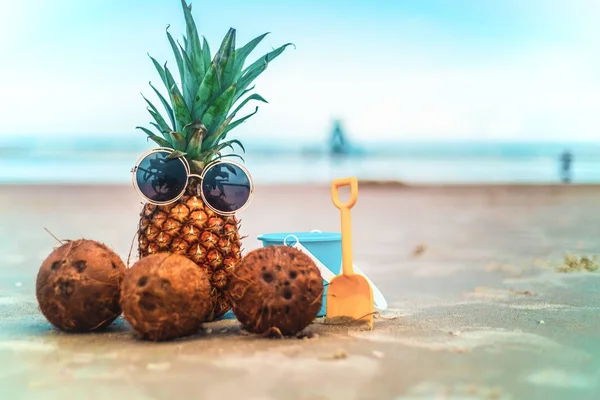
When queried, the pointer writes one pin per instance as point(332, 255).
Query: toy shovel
point(348, 294)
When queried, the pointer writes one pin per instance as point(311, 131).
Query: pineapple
point(200, 114)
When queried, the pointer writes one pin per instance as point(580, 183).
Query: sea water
point(102, 159)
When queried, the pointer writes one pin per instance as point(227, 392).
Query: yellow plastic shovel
point(348, 294)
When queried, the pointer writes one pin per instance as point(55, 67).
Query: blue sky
point(403, 69)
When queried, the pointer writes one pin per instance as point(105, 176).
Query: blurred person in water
point(566, 159)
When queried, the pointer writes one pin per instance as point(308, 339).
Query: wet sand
point(477, 307)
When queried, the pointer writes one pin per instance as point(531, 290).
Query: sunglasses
point(226, 187)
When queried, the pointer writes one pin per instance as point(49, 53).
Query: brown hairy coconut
point(276, 290)
point(78, 284)
point(165, 296)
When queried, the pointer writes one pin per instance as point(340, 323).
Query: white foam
point(26, 345)
point(489, 294)
point(469, 340)
point(538, 306)
point(12, 259)
point(552, 278)
point(435, 390)
point(561, 378)
point(6, 300)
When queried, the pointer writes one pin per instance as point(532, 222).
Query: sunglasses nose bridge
point(198, 184)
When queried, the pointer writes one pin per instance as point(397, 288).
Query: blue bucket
point(325, 246)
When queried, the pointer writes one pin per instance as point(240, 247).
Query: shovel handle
point(346, 220)
point(338, 183)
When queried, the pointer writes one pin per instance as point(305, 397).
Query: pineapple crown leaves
point(199, 114)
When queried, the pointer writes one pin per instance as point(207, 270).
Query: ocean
point(101, 159)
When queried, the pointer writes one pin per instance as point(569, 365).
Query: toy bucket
point(324, 246)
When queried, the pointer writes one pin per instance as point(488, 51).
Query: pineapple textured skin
point(189, 228)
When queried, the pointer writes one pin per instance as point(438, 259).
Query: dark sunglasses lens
point(226, 187)
point(161, 179)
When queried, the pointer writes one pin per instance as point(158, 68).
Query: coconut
point(78, 284)
point(165, 296)
point(276, 289)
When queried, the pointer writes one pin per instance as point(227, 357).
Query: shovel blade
point(350, 296)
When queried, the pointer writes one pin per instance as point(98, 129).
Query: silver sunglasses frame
point(189, 175)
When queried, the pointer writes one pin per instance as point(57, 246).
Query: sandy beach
point(478, 308)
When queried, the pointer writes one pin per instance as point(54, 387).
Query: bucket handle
point(326, 273)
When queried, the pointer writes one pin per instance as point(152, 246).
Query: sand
point(477, 308)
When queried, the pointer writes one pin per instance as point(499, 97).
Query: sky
point(390, 70)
